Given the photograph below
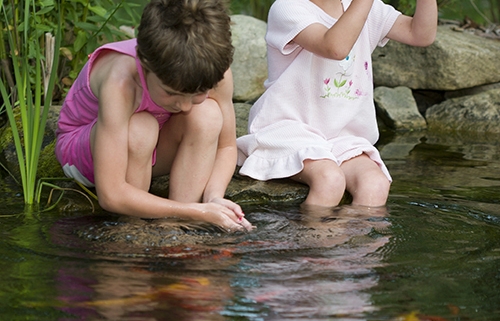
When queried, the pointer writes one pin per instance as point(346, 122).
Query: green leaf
point(80, 41)
point(87, 26)
point(100, 11)
point(96, 19)
point(46, 3)
point(44, 10)
point(42, 29)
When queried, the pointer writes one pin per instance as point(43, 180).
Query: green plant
point(89, 24)
point(30, 96)
point(86, 24)
point(484, 12)
point(491, 12)
point(30, 76)
point(44, 182)
point(256, 8)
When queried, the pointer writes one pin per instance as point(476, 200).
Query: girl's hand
point(225, 214)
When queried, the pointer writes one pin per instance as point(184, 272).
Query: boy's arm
point(116, 93)
point(419, 30)
point(110, 154)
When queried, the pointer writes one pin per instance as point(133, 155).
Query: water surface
point(434, 251)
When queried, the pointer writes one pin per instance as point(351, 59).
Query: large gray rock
point(456, 60)
point(245, 190)
point(241, 111)
point(477, 114)
point(398, 109)
point(250, 57)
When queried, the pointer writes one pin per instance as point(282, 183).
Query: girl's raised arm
point(336, 42)
point(419, 30)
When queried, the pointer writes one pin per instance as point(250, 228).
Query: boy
point(159, 104)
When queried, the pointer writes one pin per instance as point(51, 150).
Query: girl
point(316, 122)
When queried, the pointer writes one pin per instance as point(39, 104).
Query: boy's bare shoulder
point(112, 67)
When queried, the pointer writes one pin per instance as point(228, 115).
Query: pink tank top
point(81, 105)
point(79, 114)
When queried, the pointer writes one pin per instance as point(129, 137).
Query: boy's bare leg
point(143, 135)
point(365, 181)
point(186, 149)
point(142, 139)
point(326, 182)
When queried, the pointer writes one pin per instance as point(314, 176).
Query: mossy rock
point(48, 166)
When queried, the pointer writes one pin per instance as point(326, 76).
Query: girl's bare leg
point(326, 182)
point(365, 181)
point(187, 148)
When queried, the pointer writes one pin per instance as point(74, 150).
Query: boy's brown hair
point(186, 43)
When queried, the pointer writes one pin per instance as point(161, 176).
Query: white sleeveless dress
point(313, 107)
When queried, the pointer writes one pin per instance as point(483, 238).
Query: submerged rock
point(149, 233)
point(278, 228)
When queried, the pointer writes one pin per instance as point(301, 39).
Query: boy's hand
point(226, 214)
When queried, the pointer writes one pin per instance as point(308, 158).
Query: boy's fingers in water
point(242, 226)
point(246, 224)
point(230, 205)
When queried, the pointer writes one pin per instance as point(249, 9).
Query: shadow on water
point(434, 249)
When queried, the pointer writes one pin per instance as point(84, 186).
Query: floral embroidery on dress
point(342, 81)
point(326, 81)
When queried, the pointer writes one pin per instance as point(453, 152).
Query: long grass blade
point(10, 102)
point(33, 113)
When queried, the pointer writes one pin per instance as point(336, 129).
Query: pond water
point(432, 254)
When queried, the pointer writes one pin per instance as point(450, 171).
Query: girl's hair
point(186, 43)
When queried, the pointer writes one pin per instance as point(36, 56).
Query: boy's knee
point(143, 132)
point(206, 120)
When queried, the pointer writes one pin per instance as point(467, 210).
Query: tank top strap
point(147, 103)
point(146, 98)
point(128, 47)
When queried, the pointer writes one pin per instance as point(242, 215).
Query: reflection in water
point(146, 287)
point(298, 263)
point(329, 275)
point(135, 294)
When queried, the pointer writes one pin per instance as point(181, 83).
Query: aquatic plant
point(32, 78)
point(86, 24)
point(28, 95)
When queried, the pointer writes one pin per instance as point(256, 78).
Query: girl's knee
point(326, 182)
point(372, 191)
point(324, 174)
point(380, 187)
point(333, 179)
